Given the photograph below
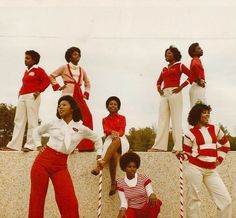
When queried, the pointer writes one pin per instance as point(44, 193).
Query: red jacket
point(196, 69)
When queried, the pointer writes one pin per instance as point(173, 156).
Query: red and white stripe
point(205, 146)
point(181, 187)
point(99, 210)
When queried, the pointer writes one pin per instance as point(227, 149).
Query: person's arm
point(159, 82)
point(122, 126)
point(199, 72)
point(54, 75)
point(124, 204)
point(106, 128)
point(187, 147)
point(87, 84)
point(150, 193)
point(223, 146)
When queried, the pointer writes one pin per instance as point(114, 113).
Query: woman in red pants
point(135, 191)
point(65, 133)
point(74, 76)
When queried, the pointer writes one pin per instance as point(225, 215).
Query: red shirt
point(34, 80)
point(171, 76)
point(114, 122)
point(197, 70)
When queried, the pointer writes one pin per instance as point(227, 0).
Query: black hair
point(195, 113)
point(34, 55)
point(70, 51)
point(127, 158)
point(113, 98)
point(77, 115)
point(192, 47)
point(175, 51)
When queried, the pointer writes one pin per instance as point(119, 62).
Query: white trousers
point(197, 94)
point(171, 106)
point(195, 176)
point(27, 110)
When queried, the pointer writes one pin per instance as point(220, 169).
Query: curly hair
point(113, 98)
point(70, 51)
point(127, 158)
point(175, 51)
point(192, 48)
point(34, 55)
point(77, 115)
point(195, 113)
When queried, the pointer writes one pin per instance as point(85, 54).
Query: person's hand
point(181, 154)
point(36, 94)
point(160, 92)
point(99, 157)
point(177, 90)
point(217, 163)
point(41, 148)
point(201, 83)
point(152, 200)
point(62, 87)
point(114, 134)
point(122, 213)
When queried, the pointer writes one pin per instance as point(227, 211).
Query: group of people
point(204, 146)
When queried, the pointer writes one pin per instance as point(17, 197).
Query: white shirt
point(65, 137)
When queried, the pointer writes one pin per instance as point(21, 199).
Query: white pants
point(108, 141)
point(171, 106)
point(197, 94)
point(195, 176)
point(27, 110)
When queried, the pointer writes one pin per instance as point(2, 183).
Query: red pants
point(52, 164)
point(85, 144)
point(146, 212)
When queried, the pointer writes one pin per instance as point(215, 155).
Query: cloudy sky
point(123, 44)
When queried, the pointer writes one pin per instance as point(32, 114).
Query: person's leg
point(219, 194)
point(197, 94)
point(39, 186)
point(176, 107)
point(19, 126)
point(162, 133)
point(112, 167)
point(194, 180)
point(65, 194)
point(32, 108)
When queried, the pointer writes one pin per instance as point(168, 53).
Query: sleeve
point(159, 81)
point(187, 145)
point(149, 189)
point(106, 128)
point(44, 80)
point(123, 200)
point(223, 145)
point(186, 71)
point(39, 131)
point(122, 127)
point(87, 84)
point(54, 75)
point(198, 70)
point(91, 135)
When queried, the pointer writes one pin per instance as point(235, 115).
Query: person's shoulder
point(142, 176)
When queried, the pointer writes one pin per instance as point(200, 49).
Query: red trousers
point(85, 144)
point(52, 164)
point(146, 212)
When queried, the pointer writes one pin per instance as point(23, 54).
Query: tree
point(7, 114)
point(232, 140)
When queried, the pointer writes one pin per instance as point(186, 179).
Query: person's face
point(112, 106)
point(29, 62)
point(75, 57)
point(169, 56)
point(131, 170)
point(198, 51)
point(204, 119)
point(64, 109)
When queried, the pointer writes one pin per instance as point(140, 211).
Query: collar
point(173, 64)
point(34, 66)
point(73, 67)
point(113, 115)
point(131, 182)
point(199, 127)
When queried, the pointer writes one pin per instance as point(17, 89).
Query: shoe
point(113, 188)
point(95, 172)
point(7, 149)
point(26, 149)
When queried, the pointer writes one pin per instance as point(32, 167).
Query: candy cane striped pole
point(99, 210)
point(181, 186)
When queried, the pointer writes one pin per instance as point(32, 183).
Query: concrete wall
point(162, 168)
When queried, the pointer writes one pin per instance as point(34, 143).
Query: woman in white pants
point(205, 147)
point(171, 101)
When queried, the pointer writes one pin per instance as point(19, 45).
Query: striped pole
point(181, 186)
point(99, 210)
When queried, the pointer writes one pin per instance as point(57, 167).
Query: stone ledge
point(162, 168)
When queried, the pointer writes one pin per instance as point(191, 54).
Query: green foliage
point(7, 114)
point(232, 140)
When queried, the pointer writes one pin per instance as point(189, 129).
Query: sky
point(123, 44)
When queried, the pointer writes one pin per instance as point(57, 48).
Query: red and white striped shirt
point(205, 146)
point(136, 196)
point(171, 76)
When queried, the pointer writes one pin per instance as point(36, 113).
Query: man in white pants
point(197, 76)
point(35, 81)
